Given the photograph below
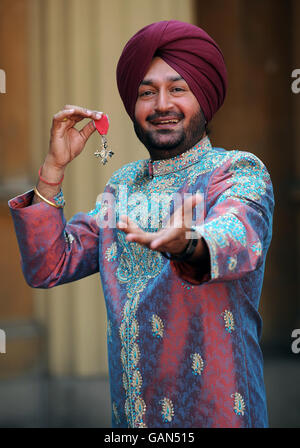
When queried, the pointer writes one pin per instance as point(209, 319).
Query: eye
point(178, 89)
point(146, 93)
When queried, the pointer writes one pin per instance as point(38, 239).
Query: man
point(183, 321)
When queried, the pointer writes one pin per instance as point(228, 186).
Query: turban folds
point(188, 49)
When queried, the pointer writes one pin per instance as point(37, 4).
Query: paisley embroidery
point(135, 355)
point(137, 381)
point(111, 252)
point(137, 266)
point(229, 321)
point(197, 363)
point(140, 408)
point(157, 326)
point(167, 410)
point(239, 404)
point(232, 262)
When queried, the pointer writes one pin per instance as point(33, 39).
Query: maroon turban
point(188, 49)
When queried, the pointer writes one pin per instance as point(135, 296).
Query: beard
point(173, 141)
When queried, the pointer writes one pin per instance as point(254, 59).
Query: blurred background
point(55, 52)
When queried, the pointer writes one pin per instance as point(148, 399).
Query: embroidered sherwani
point(183, 347)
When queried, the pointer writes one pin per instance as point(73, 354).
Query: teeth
point(168, 121)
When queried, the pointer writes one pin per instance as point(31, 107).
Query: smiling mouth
point(165, 123)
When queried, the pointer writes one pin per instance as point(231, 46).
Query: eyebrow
point(149, 82)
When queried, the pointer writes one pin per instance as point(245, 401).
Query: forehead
point(159, 69)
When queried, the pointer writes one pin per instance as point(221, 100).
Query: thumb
point(87, 130)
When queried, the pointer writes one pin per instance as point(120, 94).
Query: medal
point(102, 126)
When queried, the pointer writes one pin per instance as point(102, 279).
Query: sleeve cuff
point(22, 200)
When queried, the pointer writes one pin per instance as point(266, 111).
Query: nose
point(163, 101)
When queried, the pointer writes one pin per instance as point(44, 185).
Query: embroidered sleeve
point(52, 250)
point(238, 224)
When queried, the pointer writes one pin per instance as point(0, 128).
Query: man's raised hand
point(66, 142)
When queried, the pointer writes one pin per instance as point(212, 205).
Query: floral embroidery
point(248, 179)
point(218, 233)
point(157, 326)
point(229, 321)
point(197, 363)
point(167, 410)
point(128, 174)
point(210, 161)
point(137, 266)
point(239, 404)
point(116, 414)
point(111, 252)
point(232, 262)
point(190, 157)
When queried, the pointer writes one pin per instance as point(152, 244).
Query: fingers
point(129, 226)
point(63, 115)
point(70, 115)
point(133, 231)
point(163, 238)
point(75, 114)
point(61, 121)
point(84, 112)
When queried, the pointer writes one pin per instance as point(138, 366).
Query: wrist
point(188, 253)
point(51, 173)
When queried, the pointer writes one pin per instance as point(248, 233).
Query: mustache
point(164, 115)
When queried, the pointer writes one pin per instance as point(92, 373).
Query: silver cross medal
point(102, 126)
